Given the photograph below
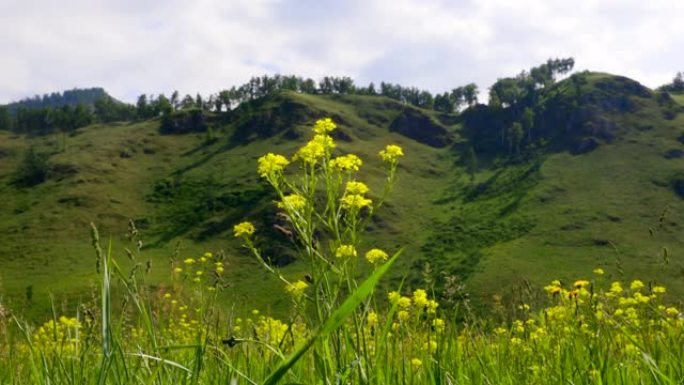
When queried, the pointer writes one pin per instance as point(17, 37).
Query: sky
point(130, 47)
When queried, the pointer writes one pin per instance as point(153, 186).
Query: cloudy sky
point(131, 47)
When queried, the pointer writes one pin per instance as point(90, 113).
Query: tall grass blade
point(335, 320)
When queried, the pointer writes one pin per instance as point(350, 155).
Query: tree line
point(508, 123)
point(677, 84)
point(149, 106)
point(58, 112)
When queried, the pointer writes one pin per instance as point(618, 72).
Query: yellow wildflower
point(659, 290)
point(432, 306)
point(297, 288)
point(616, 288)
point(345, 251)
point(672, 311)
point(316, 148)
point(177, 270)
point(167, 295)
point(438, 324)
point(375, 256)
point(271, 164)
point(636, 285)
point(189, 261)
point(219, 269)
point(403, 315)
point(599, 271)
point(292, 202)
point(404, 302)
point(354, 187)
point(351, 202)
point(244, 228)
point(420, 298)
point(323, 126)
point(372, 319)
point(346, 163)
point(582, 283)
point(416, 363)
point(391, 153)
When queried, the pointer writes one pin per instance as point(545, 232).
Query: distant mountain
point(75, 97)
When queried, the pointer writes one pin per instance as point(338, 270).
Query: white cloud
point(130, 47)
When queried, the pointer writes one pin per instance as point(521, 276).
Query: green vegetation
point(339, 328)
point(576, 175)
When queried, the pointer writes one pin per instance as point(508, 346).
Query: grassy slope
point(597, 210)
point(45, 228)
point(579, 205)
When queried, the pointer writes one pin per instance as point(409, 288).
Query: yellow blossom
point(432, 306)
point(297, 288)
point(582, 283)
point(616, 288)
point(599, 271)
point(438, 324)
point(372, 319)
point(177, 270)
point(271, 164)
point(403, 315)
point(376, 256)
point(345, 251)
point(404, 302)
point(243, 229)
point(636, 285)
point(420, 298)
point(292, 202)
point(316, 148)
point(355, 202)
point(416, 363)
point(391, 153)
point(189, 261)
point(354, 187)
point(323, 126)
point(346, 163)
point(659, 290)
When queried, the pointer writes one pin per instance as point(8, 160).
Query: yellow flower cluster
point(271, 164)
point(324, 126)
point(243, 229)
point(376, 256)
point(354, 187)
point(372, 319)
point(346, 163)
point(297, 289)
point(345, 251)
point(61, 337)
point(353, 198)
point(391, 153)
point(317, 148)
point(292, 202)
point(355, 202)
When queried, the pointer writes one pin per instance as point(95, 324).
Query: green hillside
point(598, 188)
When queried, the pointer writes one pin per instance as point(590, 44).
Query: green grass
point(337, 327)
